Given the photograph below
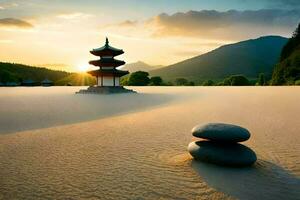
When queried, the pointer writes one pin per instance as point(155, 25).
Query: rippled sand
point(134, 147)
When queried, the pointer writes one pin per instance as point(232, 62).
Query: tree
point(291, 45)
point(239, 80)
point(236, 80)
point(261, 80)
point(156, 80)
point(287, 71)
point(208, 83)
point(124, 80)
point(191, 83)
point(139, 78)
point(181, 81)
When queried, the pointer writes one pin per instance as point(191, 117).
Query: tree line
point(141, 78)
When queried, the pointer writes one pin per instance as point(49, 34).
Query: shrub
point(156, 80)
point(208, 83)
point(139, 78)
point(261, 80)
point(181, 81)
point(236, 80)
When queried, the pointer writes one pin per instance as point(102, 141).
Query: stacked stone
point(220, 145)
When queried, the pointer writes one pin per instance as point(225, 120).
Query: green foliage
point(261, 80)
point(156, 81)
point(169, 83)
point(291, 45)
point(236, 80)
point(297, 82)
point(208, 83)
point(124, 80)
point(181, 81)
point(139, 78)
point(191, 83)
point(287, 71)
point(10, 72)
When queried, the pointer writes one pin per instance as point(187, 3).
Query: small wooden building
point(107, 74)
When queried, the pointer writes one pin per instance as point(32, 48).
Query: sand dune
point(135, 153)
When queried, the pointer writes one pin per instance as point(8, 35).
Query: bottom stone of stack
point(234, 154)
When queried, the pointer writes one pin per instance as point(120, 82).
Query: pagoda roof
point(107, 50)
point(107, 62)
point(108, 72)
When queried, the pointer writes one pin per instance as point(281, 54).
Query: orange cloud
point(7, 22)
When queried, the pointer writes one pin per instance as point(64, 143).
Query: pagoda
point(107, 76)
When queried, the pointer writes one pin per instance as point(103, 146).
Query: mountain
point(287, 71)
point(249, 58)
point(139, 66)
point(11, 72)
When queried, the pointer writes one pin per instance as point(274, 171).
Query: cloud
point(4, 6)
point(285, 2)
point(75, 15)
point(128, 23)
point(123, 24)
point(229, 24)
point(207, 29)
point(8, 22)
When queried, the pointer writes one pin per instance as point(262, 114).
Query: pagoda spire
point(106, 42)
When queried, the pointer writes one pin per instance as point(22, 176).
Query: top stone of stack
point(221, 132)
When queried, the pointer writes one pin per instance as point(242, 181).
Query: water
point(142, 154)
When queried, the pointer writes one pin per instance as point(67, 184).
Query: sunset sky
point(159, 32)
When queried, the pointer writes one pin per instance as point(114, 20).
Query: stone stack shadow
point(220, 145)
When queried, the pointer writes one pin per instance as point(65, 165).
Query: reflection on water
point(264, 180)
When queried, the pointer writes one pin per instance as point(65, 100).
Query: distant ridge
point(249, 58)
point(11, 72)
point(139, 66)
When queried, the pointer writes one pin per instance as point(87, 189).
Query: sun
point(83, 68)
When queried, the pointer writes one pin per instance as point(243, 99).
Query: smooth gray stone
point(221, 132)
point(236, 155)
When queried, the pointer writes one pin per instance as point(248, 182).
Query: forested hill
point(287, 71)
point(10, 72)
point(249, 58)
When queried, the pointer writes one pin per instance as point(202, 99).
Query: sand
point(134, 147)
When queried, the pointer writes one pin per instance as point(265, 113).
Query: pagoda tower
point(107, 74)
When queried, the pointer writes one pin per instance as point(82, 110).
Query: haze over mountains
point(249, 58)
point(139, 66)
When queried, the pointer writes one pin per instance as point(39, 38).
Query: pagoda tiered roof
point(108, 72)
point(107, 62)
point(107, 50)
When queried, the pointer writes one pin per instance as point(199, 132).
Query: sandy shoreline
point(142, 154)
